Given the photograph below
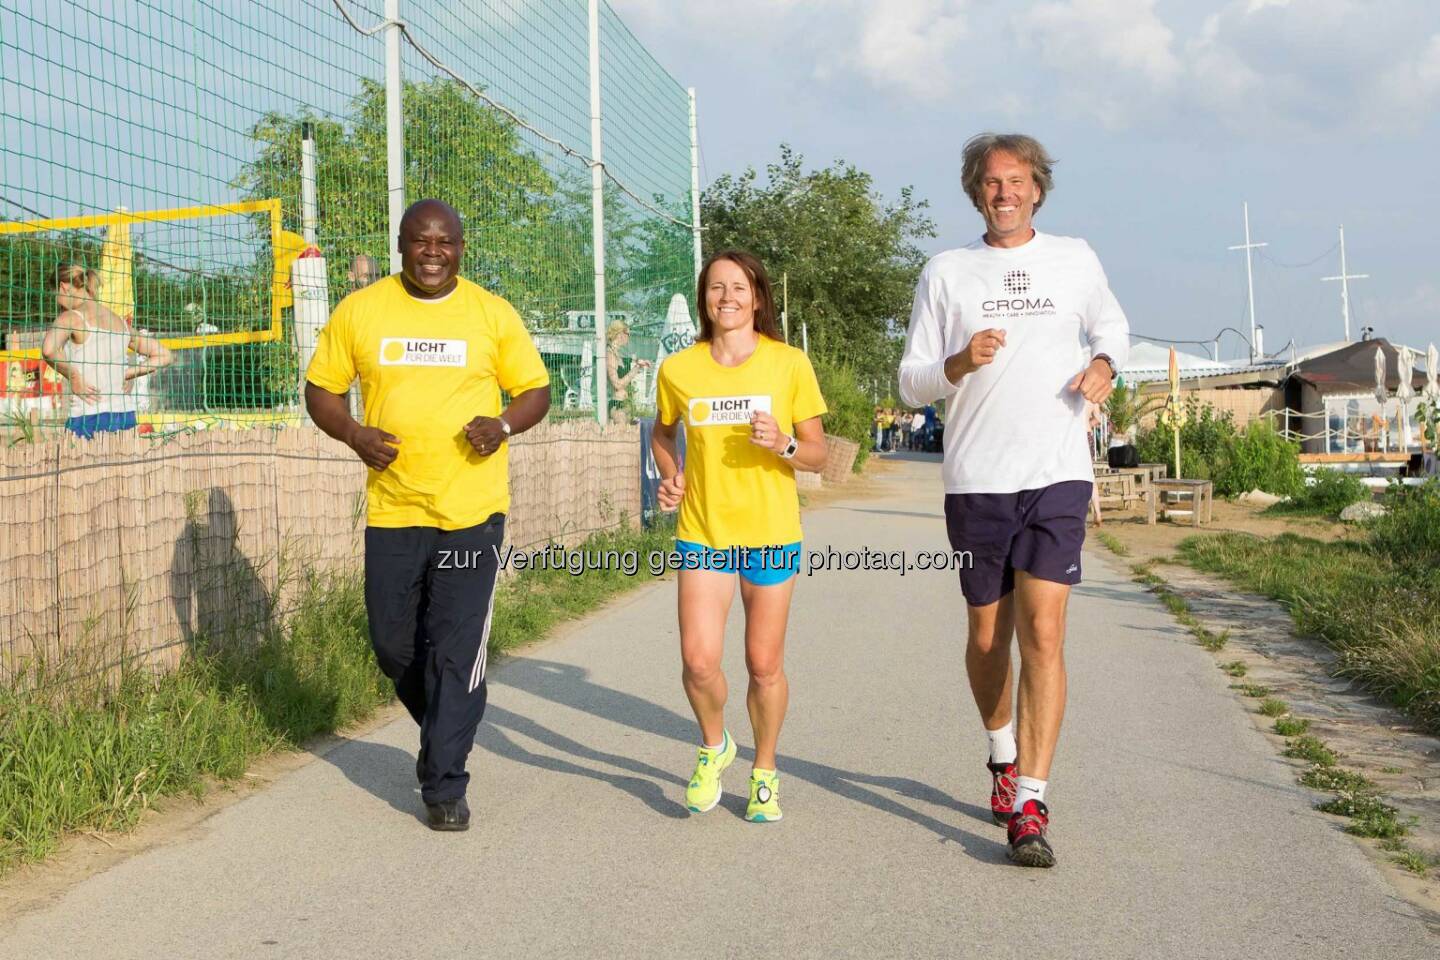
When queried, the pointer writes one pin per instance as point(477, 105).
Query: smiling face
point(431, 246)
point(1008, 195)
point(729, 297)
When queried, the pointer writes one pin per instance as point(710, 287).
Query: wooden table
point(1200, 492)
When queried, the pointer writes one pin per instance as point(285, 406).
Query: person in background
point(88, 345)
point(363, 272)
point(621, 371)
point(917, 424)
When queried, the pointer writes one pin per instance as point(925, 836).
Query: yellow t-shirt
point(427, 368)
point(736, 493)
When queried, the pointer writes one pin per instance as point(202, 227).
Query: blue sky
point(1164, 116)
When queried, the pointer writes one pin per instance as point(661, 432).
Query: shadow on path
point(896, 513)
point(570, 686)
point(385, 772)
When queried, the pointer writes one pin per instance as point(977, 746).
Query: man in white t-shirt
point(1017, 330)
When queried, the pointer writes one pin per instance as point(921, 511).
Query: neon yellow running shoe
point(704, 790)
point(764, 797)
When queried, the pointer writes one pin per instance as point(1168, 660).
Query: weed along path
point(1179, 831)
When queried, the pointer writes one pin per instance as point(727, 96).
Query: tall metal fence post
point(394, 130)
point(308, 204)
point(597, 206)
point(695, 184)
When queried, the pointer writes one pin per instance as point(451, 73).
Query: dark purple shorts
point(1038, 531)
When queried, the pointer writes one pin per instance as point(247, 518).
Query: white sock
point(714, 746)
point(1028, 788)
point(1002, 744)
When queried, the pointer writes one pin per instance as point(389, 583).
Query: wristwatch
point(1108, 362)
point(790, 448)
point(504, 425)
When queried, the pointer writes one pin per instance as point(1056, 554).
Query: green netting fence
point(160, 149)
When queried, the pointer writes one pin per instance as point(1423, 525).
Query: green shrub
point(1409, 532)
point(851, 415)
point(1331, 491)
point(1204, 442)
point(1258, 459)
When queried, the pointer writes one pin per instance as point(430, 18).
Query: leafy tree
point(521, 231)
point(852, 255)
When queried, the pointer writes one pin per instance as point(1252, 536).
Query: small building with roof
point(1330, 396)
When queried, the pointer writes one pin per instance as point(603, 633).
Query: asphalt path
point(1178, 831)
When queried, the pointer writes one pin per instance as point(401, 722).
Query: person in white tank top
point(88, 345)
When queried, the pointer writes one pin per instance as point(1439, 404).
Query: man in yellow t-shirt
point(432, 352)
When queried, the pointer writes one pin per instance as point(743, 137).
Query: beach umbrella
point(117, 278)
point(1173, 416)
point(1431, 393)
point(1406, 364)
point(1405, 392)
point(1381, 393)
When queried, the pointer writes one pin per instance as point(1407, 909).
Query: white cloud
point(1251, 67)
point(909, 45)
point(1115, 55)
point(1113, 36)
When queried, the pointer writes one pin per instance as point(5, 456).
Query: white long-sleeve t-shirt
point(1013, 424)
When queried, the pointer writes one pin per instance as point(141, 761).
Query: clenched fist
point(979, 352)
point(672, 490)
point(373, 446)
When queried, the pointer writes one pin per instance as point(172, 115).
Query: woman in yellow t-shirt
point(751, 407)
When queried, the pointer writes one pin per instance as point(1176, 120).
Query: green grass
point(1235, 668)
point(1214, 642)
point(1312, 749)
point(1376, 607)
point(1392, 769)
point(1143, 575)
point(1378, 823)
point(1370, 816)
point(1112, 544)
point(76, 754)
point(1180, 608)
point(80, 754)
point(1252, 689)
point(1272, 707)
point(1337, 780)
point(1291, 726)
point(528, 605)
point(1412, 860)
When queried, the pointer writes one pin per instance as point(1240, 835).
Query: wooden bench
point(1201, 494)
point(1121, 488)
